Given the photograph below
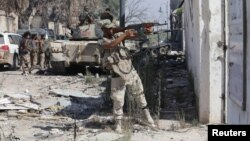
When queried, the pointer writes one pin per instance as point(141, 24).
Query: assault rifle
point(142, 27)
point(159, 49)
point(143, 30)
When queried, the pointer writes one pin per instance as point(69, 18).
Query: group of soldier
point(32, 52)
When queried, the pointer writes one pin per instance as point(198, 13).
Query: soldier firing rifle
point(117, 60)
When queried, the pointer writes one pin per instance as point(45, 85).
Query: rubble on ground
point(51, 107)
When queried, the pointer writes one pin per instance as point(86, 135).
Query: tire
point(1, 67)
point(58, 67)
point(74, 69)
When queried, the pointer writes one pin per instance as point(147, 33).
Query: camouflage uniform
point(123, 75)
point(24, 55)
point(41, 54)
point(33, 52)
point(85, 17)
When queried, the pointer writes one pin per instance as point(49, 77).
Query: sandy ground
point(67, 118)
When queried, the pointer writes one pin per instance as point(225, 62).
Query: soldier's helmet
point(107, 9)
point(85, 8)
point(106, 24)
point(26, 34)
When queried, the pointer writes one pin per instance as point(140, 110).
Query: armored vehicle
point(81, 50)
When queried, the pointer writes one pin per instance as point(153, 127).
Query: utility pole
point(122, 13)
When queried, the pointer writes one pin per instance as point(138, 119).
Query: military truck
point(81, 50)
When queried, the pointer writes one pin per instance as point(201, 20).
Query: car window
point(16, 39)
point(11, 40)
point(1, 39)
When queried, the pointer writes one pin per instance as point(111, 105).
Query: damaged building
point(216, 37)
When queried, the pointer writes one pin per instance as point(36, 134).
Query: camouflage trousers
point(33, 58)
point(118, 88)
point(25, 62)
point(41, 60)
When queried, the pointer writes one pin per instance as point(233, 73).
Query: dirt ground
point(67, 108)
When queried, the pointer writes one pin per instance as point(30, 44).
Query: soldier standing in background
point(33, 52)
point(107, 15)
point(85, 17)
point(41, 53)
point(24, 53)
point(117, 59)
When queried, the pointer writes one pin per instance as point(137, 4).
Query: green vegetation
point(178, 11)
point(90, 79)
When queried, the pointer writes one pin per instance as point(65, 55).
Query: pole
point(122, 13)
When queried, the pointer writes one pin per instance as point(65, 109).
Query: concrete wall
point(234, 111)
point(3, 21)
point(193, 48)
point(202, 32)
point(8, 22)
point(59, 28)
point(216, 62)
point(204, 90)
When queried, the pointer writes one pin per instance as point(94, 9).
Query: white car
point(9, 44)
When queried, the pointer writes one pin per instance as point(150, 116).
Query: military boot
point(118, 126)
point(148, 117)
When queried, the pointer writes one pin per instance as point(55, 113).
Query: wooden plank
point(12, 107)
point(18, 96)
point(5, 101)
point(29, 105)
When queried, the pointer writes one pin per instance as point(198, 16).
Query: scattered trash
point(55, 132)
point(27, 91)
point(97, 76)
point(80, 75)
point(105, 136)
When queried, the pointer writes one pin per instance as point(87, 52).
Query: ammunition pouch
point(113, 59)
point(124, 53)
point(119, 54)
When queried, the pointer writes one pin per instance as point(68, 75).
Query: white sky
point(153, 8)
point(153, 13)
